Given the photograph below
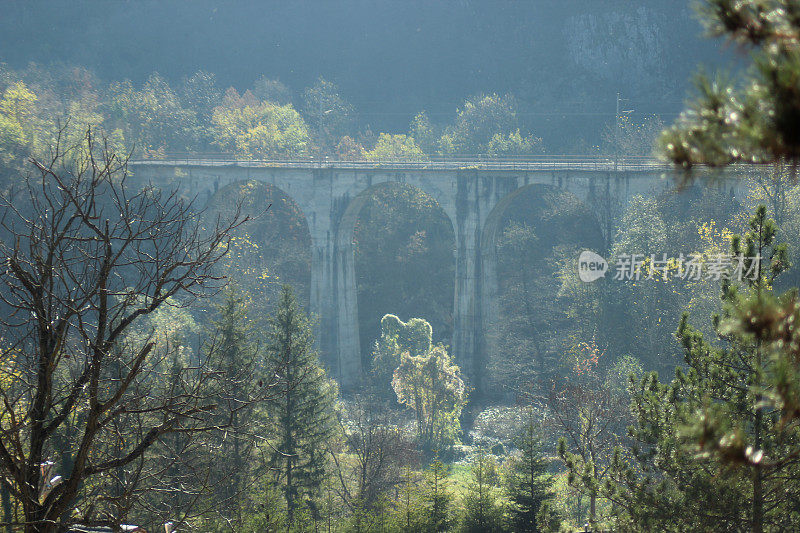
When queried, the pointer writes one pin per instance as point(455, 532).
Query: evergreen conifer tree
point(437, 498)
point(714, 415)
point(482, 510)
point(233, 355)
point(408, 511)
point(301, 407)
point(529, 484)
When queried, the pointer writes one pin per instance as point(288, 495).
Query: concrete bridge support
point(467, 305)
point(333, 294)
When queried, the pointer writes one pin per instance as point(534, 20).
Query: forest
point(160, 366)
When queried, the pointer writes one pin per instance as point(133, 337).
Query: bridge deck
point(534, 164)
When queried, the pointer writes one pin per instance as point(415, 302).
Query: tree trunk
point(7, 515)
point(758, 489)
point(758, 502)
point(289, 495)
point(37, 521)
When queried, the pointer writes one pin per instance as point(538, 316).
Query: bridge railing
point(458, 161)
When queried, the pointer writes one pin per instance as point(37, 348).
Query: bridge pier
point(469, 344)
point(333, 304)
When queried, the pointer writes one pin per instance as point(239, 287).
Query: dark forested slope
point(563, 60)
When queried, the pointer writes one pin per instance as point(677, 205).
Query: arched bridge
point(473, 194)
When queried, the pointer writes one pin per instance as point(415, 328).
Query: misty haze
point(469, 266)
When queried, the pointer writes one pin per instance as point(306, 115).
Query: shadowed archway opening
point(270, 249)
point(534, 235)
point(404, 262)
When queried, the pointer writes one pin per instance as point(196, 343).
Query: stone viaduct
point(473, 195)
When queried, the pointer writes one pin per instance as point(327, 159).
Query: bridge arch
point(429, 226)
point(273, 247)
point(586, 230)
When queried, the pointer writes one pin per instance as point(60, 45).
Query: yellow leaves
point(18, 103)
point(17, 111)
point(585, 355)
point(713, 237)
point(262, 130)
point(662, 269)
point(395, 147)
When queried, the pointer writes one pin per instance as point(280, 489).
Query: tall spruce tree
point(233, 355)
point(409, 510)
point(734, 383)
point(301, 408)
point(529, 484)
point(483, 512)
point(437, 498)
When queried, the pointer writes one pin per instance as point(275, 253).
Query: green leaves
point(430, 384)
point(756, 122)
point(485, 124)
point(261, 130)
point(302, 408)
point(395, 148)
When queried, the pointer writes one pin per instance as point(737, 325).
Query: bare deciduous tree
point(85, 259)
point(379, 450)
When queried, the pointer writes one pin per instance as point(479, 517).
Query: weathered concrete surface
point(473, 199)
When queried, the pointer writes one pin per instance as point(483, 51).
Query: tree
point(643, 231)
point(403, 235)
point(409, 511)
point(330, 116)
point(234, 355)
point(540, 230)
point(486, 124)
point(395, 148)
point(201, 94)
point(431, 386)
point(348, 149)
point(513, 143)
point(152, 119)
point(590, 413)
point(17, 108)
point(712, 450)
point(85, 259)
point(739, 377)
point(377, 450)
point(170, 363)
point(520, 340)
point(414, 337)
point(270, 249)
point(302, 411)
point(483, 512)
point(757, 122)
point(272, 91)
point(529, 484)
point(255, 129)
point(437, 497)
point(424, 133)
